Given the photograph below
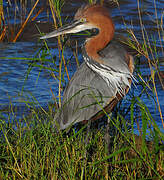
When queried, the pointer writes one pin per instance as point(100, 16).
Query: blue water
point(19, 88)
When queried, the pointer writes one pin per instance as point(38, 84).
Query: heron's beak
point(74, 27)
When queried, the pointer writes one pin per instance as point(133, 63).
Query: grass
point(30, 148)
point(36, 151)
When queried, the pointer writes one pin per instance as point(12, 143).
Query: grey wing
point(84, 96)
point(114, 56)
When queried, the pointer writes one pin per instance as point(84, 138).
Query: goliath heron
point(103, 78)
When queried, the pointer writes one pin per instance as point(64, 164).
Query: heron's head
point(86, 18)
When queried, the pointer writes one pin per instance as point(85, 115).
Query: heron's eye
point(83, 20)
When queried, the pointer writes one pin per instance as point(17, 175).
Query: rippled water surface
point(17, 86)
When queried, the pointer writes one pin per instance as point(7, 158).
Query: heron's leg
point(86, 141)
point(87, 134)
point(107, 136)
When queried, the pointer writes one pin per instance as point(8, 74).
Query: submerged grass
point(30, 148)
point(149, 51)
point(9, 31)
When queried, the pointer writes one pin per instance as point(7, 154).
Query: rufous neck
point(100, 41)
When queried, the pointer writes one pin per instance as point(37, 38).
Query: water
point(15, 89)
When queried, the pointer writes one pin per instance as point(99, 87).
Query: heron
point(104, 77)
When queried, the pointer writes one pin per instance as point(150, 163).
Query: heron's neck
point(99, 42)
